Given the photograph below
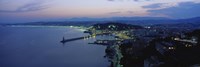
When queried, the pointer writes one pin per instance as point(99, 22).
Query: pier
point(84, 37)
point(74, 39)
point(107, 42)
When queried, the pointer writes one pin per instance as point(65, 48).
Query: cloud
point(158, 5)
point(182, 10)
point(130, 12)
point(33, 6)
point(111, 0)
point(129, 0)
point(117, 12)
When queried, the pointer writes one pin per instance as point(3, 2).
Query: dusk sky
point(16, 11)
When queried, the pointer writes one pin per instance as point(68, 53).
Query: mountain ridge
point(128, 20)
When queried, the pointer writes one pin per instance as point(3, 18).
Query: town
point(149, 46)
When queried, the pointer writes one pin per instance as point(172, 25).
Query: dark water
point(41, 47)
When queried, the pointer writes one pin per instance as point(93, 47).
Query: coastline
point(81, 28)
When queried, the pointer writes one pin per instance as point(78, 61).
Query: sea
point(40, 46)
